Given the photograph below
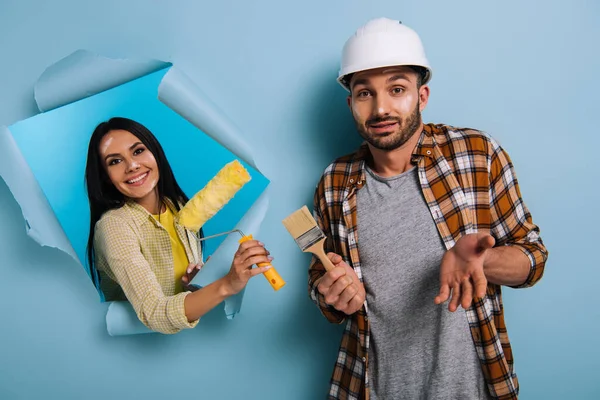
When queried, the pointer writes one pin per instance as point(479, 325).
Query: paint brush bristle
point(303, 228)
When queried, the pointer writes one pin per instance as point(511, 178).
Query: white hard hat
point(382, 42)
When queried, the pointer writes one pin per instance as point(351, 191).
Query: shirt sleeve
point(117, 244)
point(512, 224)
point(316, 269)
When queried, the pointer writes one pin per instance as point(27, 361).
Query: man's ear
point(423, 97)
point(349, 101)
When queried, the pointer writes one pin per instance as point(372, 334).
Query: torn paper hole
point(42, 159)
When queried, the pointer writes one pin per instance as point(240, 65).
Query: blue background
point(55, 145)
point(526, 72)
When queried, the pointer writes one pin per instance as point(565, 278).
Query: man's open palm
point(461, 271)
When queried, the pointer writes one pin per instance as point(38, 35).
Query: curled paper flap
point(181, 94)
point(220, 262)
point(83, 74)
point(121, 319)
point(42, 225)
point(79, 75)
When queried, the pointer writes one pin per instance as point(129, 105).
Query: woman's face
point(130, 166)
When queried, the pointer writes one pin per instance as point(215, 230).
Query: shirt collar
point(142, 216)
point(423, 148)
point(426, 143)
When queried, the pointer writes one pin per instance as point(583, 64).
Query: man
point(419, 215)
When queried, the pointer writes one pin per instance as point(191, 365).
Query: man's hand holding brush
point(341, 287)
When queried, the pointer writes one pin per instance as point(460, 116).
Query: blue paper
point(220, 262)
point(41, 223)
point(121, 319)
point(42, 159)
point(181, 94)
point(83, 74)
point(54, 144)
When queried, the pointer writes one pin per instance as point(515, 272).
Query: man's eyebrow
point(360, 81)
point(398, 77)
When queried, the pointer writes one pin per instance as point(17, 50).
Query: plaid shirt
point(469, 184)
point(134, 258)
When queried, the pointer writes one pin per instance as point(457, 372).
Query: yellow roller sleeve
point(210, 199)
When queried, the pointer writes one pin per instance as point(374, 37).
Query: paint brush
point(307, 234)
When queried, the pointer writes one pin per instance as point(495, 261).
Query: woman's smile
point(138, 180)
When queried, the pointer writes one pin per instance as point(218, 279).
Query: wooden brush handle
point(318, 250)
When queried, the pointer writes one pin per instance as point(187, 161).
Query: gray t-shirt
point(418, 350)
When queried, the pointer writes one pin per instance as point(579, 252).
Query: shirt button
point(364, 359)
point(351, 180)
point(428, 152)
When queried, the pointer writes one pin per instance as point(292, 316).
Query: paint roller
point(210, 199)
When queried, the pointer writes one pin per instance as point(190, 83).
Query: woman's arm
point(117, 249)
point(205, 299)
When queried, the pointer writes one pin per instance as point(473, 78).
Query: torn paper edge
point(41, 223)
point(182, 95)
point(76, 77)
point(83, 74)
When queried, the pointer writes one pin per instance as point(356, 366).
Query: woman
point(136, 250)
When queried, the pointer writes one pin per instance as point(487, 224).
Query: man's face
point(386, 105)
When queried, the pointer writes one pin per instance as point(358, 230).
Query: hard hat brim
point(349, 71)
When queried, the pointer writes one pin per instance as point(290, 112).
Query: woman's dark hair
point(103, 195)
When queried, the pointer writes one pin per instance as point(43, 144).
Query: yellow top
point(180, 260)
point(135, 262)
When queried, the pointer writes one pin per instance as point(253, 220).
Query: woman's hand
point(248, 254)
point(190, 273)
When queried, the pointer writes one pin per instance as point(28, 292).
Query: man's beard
point(388, 142)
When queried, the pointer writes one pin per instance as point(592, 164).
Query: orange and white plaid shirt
point(469, 184)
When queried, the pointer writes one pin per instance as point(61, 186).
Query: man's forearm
point(506, 265)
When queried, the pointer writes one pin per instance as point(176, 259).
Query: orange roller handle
point(271, 274)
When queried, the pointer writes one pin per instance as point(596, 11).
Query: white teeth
point(138, 178)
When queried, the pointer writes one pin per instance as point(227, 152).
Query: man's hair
point(421, 74)
point(420, 71)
